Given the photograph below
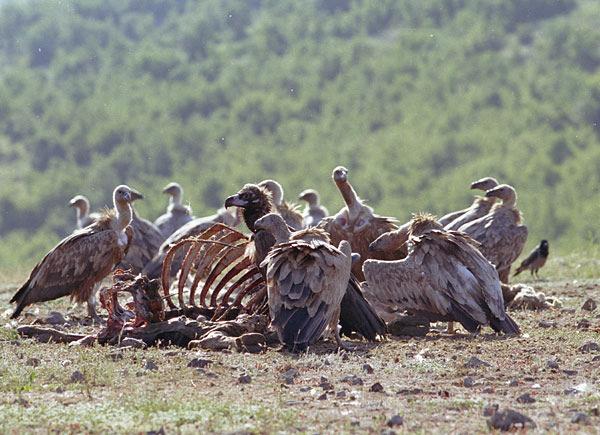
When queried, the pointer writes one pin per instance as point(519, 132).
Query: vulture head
point(276, 190)
point(506, 193)
point(124, 195)
point(81, 203)
point(392, 241)
point(255, 200)
point(311, 196)
point(274, 224)
point(484, 184)
point(175, 191)
point(355, 215)
point(422, 223)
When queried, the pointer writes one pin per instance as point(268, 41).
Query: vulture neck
point(124, 215)
point(350, 198)
point(254, 213)
point(281, 233)
point(82, 213)
point(510, 202)
point(176, 201)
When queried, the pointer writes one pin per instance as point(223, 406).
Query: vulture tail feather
point(461, 316)
point(357, 315)
point(508, 325)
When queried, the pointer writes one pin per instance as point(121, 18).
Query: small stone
point(33, 362)
point(488, 390)
point(589, 305)
point(396, 420)
point(584, 324)
point(475, 362)
point(353, 380)
point(341, 394)
point(132, 343)
point(55, 318)
point(469, 382)
point(547, 324)
point(244, 379)
point(552, 364)
point(513, 383)
point(289, 376)
point(509, 419)
point(325, 384)
point(323, 396)
point(570, 372)
point(581, 418)
point(588, 347)
point(595, 412)
point(355, 423)
point(376, 388)
point(525, 398)
point(305, 389)
point(77, 376)
point(59, 390)
point(409, 391)
point(150, 365)
point(490, 410)
point(199, 363)
point(367, 368)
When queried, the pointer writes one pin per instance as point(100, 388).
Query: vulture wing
point(446, 219)
point(291, 215)
point(357, 314)
point(147, 240)
point(73, 267)
point(306, 282)
point(171, 221)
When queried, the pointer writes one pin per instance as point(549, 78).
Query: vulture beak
point(258, 225)
point(72, 203)
point(235, 201)
point(493, 193)
point(355, 257)
point(135, 195)
point(166, 190)
point(340, 174)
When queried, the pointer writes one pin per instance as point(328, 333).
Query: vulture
point(146, 241)
point(357, 223)
point(500, 232)
point(288, 211)
point(443, 278)
point(82, 205)
point(306, 281)
point(177, 214)
point(480, 207)
point(535, 260)
point(357, 315)
point(192, 228)
point(83, 259)
point(314, 211)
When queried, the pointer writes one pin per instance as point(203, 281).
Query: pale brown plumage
point(480, 207)
point(501, 234)
point(306, 281)
point(314, 212)
point(289, 212)
point(82, 205)
point(444, 278)
point(177, 214)
point(357, 223)
point(82, 259)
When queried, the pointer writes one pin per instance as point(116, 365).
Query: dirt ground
point(433, 383)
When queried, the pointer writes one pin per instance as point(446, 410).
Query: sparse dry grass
point(423, 380)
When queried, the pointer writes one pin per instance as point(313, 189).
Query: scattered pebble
point(66, 363)
point(341, 394)
point(376, 388)
point(590, 346)
point(570, 372)
point(552, 364)
point(289, 376)
point(589, 305)
point(132, 343)
point(584, 324)
point(547, 324)
point(33, 362)
point(353, 380)
point(409, 391)
point(77, 376)
point(475, 362)
point(488, 390)
point(244, 379)
point(323, 396)
point(396, 420)
point(509, 419)
point(367, 368)
point(581, 418)
point(526, 398)
point(55, 318)
point(150, 365)
point(469, 382)
point(325, 384)
point(513, 383)
point(199, 363)
point(490, 410)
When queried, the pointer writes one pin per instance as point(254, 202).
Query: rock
point(509, 419)
point(596, 358)
point(33, 362)
point(490, 410)
point(322, 396)
point(199, 363)
point(547, 324)
point(77, 376)
point(251, 342)
point(411, 326)
point(55, 318)
point(396, 420)
point(474, 363)
point(581, 418)
point(469, 382)
point(66, 363)
point(244, 379)
point(488, 390)
point(376, 388)
point(552, 364)
point(409, 391)
point(341, 394)
point(589, 305)
point(588, 347)
point(570, 372)
point(133, 343)
point(352, 380)
point(368, 369)
point(150, 365)
point(289, 376)
point(584, 324)
point(325, 384)
point(525, 398)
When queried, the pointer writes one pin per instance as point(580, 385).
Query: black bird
point(535, 260)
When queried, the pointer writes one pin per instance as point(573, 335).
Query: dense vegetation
point(416, 98)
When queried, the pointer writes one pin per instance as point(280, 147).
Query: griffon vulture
point(314, 212)
point(480, 207)
point(443, 278)
point(289, 212)
point(177, 214)
point(82, 205)
point(535, 260)
point(81, 260)
point(306, 281)
point(356, 223)
point(501, 234)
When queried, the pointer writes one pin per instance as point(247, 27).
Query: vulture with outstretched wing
point(480, 207)
point(357, 223)
point(191, 229)
point(306, 281)
point(288, 211)
point(82, 205)
point(501, 234)
point(177, 214)
point(535, 260)
point(81, 260)
point(443, 278)
point(357, 315)
point(314, 212)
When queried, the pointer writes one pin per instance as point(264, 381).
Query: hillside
point(416, 98)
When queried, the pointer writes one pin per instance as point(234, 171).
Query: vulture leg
point(504, 275)
point(91, 308)
point(341, 345)
point(451, 330)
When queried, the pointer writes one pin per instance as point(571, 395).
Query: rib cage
point(225, 275)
